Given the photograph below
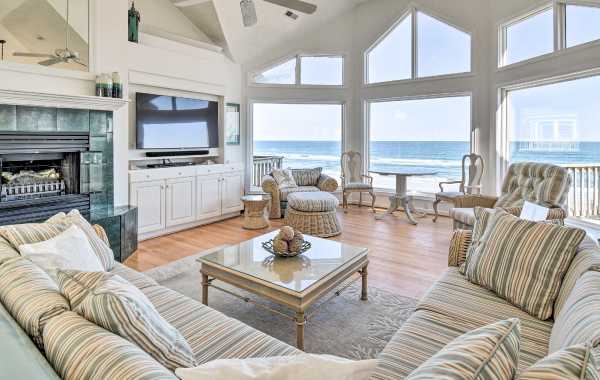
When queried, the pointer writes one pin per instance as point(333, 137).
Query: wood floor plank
point(405, 259)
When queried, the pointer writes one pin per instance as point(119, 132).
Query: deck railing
point(584, 194)
point(264, 165)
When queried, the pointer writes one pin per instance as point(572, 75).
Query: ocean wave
point(378, 160)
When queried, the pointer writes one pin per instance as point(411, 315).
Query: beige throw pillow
point(116, 305)
point(523, 262)
point(284, 178)
point(573, 363)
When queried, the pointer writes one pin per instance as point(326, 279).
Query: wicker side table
point(254, 211)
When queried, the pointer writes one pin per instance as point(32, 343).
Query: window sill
point(423, 79)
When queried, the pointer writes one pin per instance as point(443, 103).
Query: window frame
point(298, 75)
point(412, 11)
point(559, 30)
point(473, 146)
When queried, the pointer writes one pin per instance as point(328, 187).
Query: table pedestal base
point(402, 200)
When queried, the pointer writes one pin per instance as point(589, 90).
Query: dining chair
point(354, 180)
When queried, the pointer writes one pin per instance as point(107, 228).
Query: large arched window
point(418, 45)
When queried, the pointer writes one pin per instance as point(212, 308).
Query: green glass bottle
point(134, 23)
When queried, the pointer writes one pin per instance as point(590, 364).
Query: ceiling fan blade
point(35, 55)
point(51, 61)
point(297, 5)
point(248, 13)
point(78, 62)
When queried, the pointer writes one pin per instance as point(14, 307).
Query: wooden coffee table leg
point(364, 273)
point(300, 322)
point(205, 284)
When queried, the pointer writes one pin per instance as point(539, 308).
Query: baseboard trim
point(187, 226)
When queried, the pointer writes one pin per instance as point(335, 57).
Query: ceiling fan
point(249, 11)
point(65, 55)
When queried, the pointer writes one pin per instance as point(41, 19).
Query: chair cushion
point(464, 215)
point(313, 202)
point(79, 349)
point(449, 195)
point(522, 261)
point(357, 186)
point(545, 184)
point(490, 352)
point(307, 177)
point(30, 295)
point(116, 305)
point(573, 363)
point(579, 320)
point(300, 189)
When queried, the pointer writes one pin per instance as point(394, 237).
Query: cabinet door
point(149, 197)
point(181, 205)
point(208, 198)
point(232, 189)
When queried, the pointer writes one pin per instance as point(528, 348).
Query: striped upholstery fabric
point(490, 352)
point(139, 280)
point(581, 263)
point(573, 363)
point(579, 320)
point(523, 262)
point(19, 234)
point(313, 202)
point(114, 304)
point(29, 295)
point(7, 250)
point(101, 249)
point(459, 244)
point(285, 192)
point(458, 299)
point(544, 184)
point(463, 215)
point(81, 350)
point(481, 217)
point(211, 334)
point(307, 177)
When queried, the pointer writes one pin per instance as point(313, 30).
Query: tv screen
point(168, 122)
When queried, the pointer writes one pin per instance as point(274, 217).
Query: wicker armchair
point(543, 184)
point(354, 180)
point(306, 179)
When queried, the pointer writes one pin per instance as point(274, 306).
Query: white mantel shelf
point(41, 99)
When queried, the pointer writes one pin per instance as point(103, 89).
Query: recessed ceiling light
point(40, 38)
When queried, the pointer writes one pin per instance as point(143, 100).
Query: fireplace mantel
point(41, 99)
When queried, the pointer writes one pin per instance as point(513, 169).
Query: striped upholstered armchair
point(544, 184)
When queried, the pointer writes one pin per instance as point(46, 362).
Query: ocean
point(441, 156)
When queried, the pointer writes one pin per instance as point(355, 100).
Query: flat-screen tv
point(169, 122)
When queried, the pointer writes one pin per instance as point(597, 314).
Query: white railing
point(264, 165)
point(584, 194)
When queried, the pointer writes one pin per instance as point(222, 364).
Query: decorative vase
point(134, 23)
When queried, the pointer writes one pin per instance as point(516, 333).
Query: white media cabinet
point(177, 198)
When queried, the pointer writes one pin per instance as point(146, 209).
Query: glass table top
point(295, 273)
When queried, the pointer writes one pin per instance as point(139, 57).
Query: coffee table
point(296, 283)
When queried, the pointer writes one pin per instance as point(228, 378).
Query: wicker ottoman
point(313, 213)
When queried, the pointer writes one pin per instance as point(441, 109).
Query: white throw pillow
point(284, 178)
point(296, 367)
point(68, 250)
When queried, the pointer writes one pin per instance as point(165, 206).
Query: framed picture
point(232, 124)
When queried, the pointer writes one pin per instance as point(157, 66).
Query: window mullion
point(415, 48)
point(560, 26)
point(298, 68)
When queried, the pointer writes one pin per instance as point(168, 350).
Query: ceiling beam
point(189, 3)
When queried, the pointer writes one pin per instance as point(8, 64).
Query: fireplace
point(42, 174)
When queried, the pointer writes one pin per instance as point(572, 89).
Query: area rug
point(343, 325)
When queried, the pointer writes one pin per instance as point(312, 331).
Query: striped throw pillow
point(490, 352)
point(523, 262)
point(579, 319)
point(307, 177)
point(29, 295)
point(482, 216)
point(573, 363)
point(114, 304)
point(19, 234)
point(100, 248)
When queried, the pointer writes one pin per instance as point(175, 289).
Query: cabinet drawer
point(143, 175)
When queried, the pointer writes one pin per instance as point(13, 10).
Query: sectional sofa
point(77, 349)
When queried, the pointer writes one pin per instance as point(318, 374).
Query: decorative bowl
point(268, 246)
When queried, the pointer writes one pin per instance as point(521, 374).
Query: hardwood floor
point(404, 259)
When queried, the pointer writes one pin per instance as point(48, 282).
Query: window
point(318, 70)
point(305, 135)
point(441, 49)
point(432, 133)
point(555, 27)
point(583, 24)
point(555, 123)
point(529, 37)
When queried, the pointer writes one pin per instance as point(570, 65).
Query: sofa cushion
point(300, 189)
point(101, 249)
point(313, 202)
point(573, 363)
point(116, 305)
point(210, 333)
point(81, 350)
point(31, 297)
point(489, 352)
point(460, 300)
point(307, 177)
point(522, 261)
point(579, 320)
point(581, 263)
